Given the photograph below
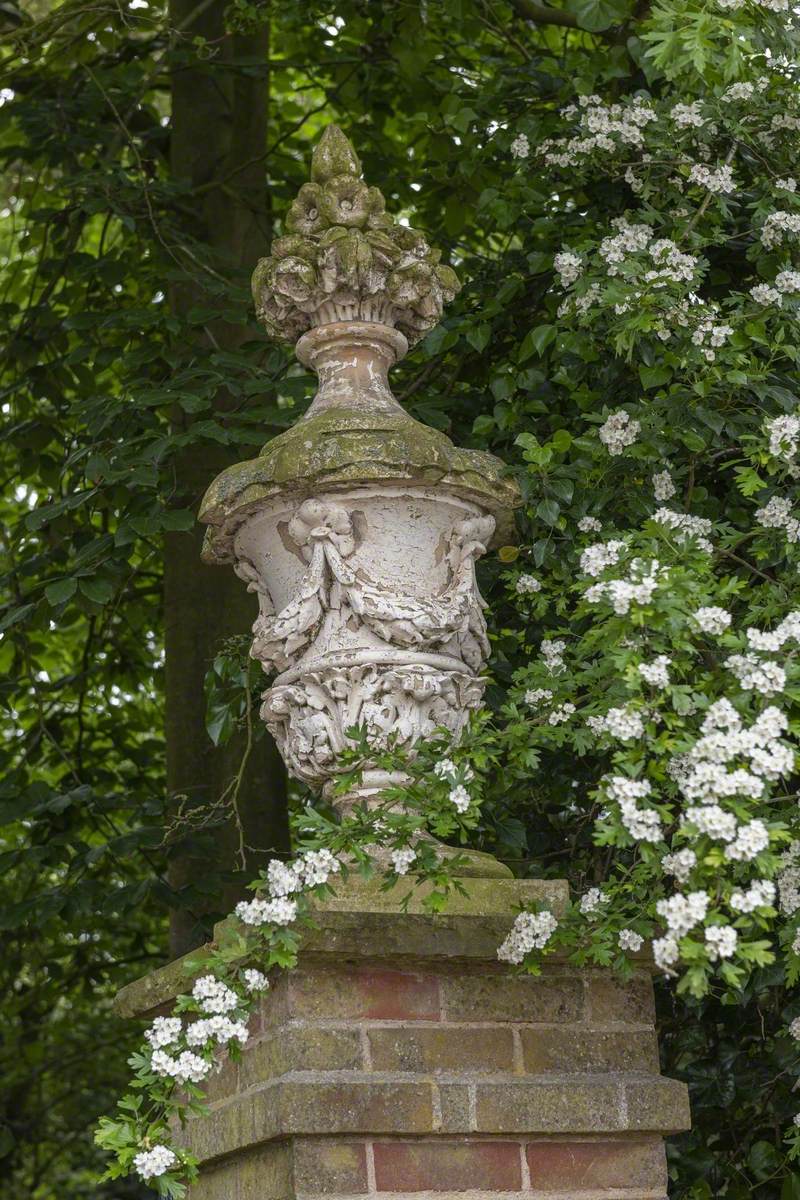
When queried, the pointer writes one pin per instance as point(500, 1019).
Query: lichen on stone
point(344, 258)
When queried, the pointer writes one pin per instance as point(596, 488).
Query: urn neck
point(352, 360)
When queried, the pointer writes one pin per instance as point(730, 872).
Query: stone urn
point(358, 528)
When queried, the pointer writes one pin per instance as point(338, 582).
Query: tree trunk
point(218, 135)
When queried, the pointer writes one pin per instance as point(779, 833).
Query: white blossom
point(757, 674)
point(553, 653)
point(721, 941)
point(618, 431)
point(590, 525)
point(280, 911)
point(682, 912)
point(681, 863)
point(712, 619)
point(663, 486)
point(665, 952)
point(686, 526)
point(459, 798)
point(568, 267)
point(760, 894)
point(520, 147)
point(638, 588)
point(187, 1067)
point(784, 436)
point(538, 695)
point(154, 1162)
point(630, 940)
point(750, 840)
point(624, 723)
point(715, 180)
point(445, 768)
point(213, 995)
point(777, 514)
point(255, 981)
point(778, 225)
point(592, 901)
point(594, 559)
point(165, 1031)
point(531, 931)
point(219, 1029)
point(402, 859)
point(656, 673)
point(526, 584)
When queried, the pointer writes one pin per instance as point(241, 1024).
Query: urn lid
point(356, 287)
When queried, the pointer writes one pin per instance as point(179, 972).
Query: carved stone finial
point(345, 259)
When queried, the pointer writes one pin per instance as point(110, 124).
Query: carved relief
point(308, 719)
point(451, 623)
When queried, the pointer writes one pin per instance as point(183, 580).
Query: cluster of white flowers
point(681, 913)
point(185, 1067)
point(718, 180)
point(687, 116)
point(213, 995)
point(784, 436)
point(403, 859)
point(686, 527)
point(794, 1029)
point(520, 147)
point(622, 723)
point(531, 931)
point(219, 1029)
point(786, 185)
point(739, 91)
point(773, 640)
point(643, 824)
point(630, 940)
point(656, 673)
point(605, 127)
point(154, 1162)
point(663, 486)
point(713, 619)
point(757, 674)
point(777, 226)
point(526, 584)
point(538, 695)
point(553, 654)
point(789, 882)
point(255, 981)
point(760, 894)
point(459, 798)
point(713, 821)
point(750, 840)
point(721, 941)
point(619, 431)
point(681, 863)
point(445, 768)
point(568, 266)
point(708, 330)
point(666, 953)
point(561, 713)
point(281, 911)
point(309, 870)
point(639, 588)
point(165, 1031)
point(594, 559)
point(590, 525)
point(777, 514)
point(592, 901)
point(786, 283)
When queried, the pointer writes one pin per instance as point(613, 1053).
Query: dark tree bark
point(220, 108)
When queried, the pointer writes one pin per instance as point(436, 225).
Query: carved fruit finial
point(345, 259)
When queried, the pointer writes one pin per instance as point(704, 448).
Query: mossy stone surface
point(344, 447)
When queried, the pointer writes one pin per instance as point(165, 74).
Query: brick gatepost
point(400, 1058)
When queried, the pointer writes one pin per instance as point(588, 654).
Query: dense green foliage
point(103, 387)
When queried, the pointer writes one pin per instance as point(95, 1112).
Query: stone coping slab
point(363, 920)
point(303, 1103)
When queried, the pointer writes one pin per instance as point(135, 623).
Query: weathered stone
point(612, 1000)
point(327, 1165)
point(570, 1050)
point(502, 997)
point(442, 1048)
point(306, 1049)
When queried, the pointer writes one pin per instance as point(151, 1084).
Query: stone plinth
point(401, 1058)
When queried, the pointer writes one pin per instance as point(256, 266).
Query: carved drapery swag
point(359, 528)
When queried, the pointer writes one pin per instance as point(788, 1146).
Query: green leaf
point(536, 341)
point(58, 593)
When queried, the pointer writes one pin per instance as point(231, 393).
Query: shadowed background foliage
point(148, 155)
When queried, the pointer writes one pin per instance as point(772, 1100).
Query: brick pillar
point(401, 1058)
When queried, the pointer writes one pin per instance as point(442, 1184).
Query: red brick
point(449, 1166)
point(561, 1166)
point(365, 993)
